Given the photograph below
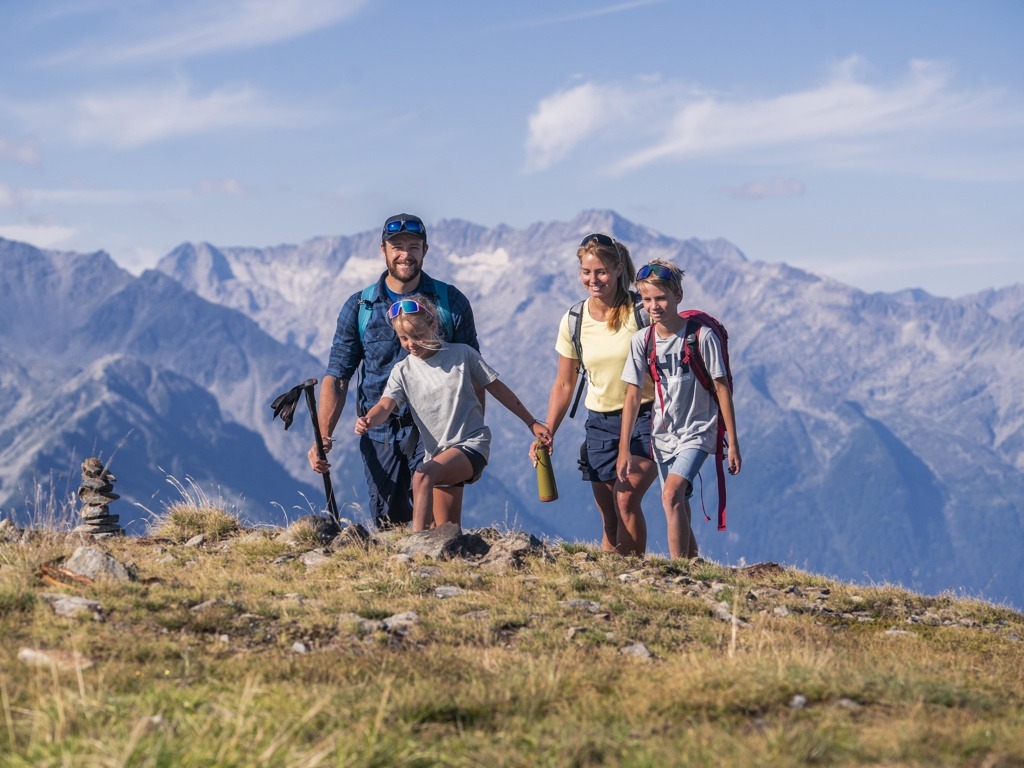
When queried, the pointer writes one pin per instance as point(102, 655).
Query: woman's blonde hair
point(423, 324)
point(613, 253)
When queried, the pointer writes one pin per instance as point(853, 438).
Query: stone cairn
point(96, 493)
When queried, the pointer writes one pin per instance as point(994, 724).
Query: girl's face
point(659, 301)
point(409, 336)
point(598, 279)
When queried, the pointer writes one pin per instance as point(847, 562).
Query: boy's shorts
point(600, 450)
point(686, 463)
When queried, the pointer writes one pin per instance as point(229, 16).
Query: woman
point(608, 319)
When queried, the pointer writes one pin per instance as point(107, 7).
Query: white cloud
point(22, 151)
point(39, 235)
point(135, 118)
point(198, 27)
point(223, 187)
point(565, 120)
point(7, 197)
point(775, 187)
point(845, 121)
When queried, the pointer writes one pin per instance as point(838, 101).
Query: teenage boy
point(684, 426)
point(391, 451)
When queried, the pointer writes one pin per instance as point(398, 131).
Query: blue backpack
point(443, 310)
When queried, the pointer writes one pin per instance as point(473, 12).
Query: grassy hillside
point(254, 647)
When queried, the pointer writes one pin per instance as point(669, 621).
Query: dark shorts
point(600, 450)
point(477, 460)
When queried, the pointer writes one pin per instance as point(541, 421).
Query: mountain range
point(882, 433)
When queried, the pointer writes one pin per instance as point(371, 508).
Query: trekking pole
point(284, 406)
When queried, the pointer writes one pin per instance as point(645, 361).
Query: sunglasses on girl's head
point(601, 240)
point(406, 306)
point(657, 270)
point(404, 225)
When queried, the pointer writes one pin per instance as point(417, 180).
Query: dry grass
point(197, 664)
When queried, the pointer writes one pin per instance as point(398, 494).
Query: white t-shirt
point(441, 397)
point(684, 413)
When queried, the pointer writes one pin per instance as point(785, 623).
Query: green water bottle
point(546, 488)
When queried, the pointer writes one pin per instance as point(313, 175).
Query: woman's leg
point(449, 466)
point(631, 538)
point(604, 497)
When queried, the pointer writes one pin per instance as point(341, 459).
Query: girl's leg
point(681, 541)
point(631, 537)
point(450, 466)
point(604, 497)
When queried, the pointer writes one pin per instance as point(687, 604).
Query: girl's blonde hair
point(423, 324)
point(615, 254)
point(675, 283)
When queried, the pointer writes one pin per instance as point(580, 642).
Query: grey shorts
point(686, 463)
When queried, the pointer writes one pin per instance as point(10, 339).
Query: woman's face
point(600, 281)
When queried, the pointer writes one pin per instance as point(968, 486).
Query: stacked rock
point(96, 493)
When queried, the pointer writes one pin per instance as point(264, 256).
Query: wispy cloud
point(761, 189)
point(21, 151)
point(7, 197)
point(39, 235)
point(139, 117)
point(590, 13)
point(229, 187)
point(846, 120)
point(187, 28)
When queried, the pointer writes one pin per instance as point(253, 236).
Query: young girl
point(442, 384)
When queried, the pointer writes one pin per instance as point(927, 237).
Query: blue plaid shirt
point(379, 349)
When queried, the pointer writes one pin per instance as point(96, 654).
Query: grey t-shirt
point(684, 414)
point(440, 394)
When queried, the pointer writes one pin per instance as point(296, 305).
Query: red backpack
point(695, 319)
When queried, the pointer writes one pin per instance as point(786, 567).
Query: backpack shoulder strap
point(575, 336)
point(365, 308)
point(444, 309)
point(639, 313)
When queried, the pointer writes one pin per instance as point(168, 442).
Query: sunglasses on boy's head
point(404, 225)
point(655, 270)
point(601, 240)
point(406, 306)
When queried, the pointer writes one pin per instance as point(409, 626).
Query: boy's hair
point(614, 254)
point(675, 283)
point(424, 323)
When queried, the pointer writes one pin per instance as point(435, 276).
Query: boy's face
point(660, 301)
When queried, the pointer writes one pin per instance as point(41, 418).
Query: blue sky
point(881, 143)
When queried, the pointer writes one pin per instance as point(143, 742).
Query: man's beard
point(414, 269)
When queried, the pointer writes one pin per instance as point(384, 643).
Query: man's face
point(403, 255)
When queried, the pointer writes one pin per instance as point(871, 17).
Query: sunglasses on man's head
point(404, 225)
point(404, 306)
point(656, 270)
point(601, 240)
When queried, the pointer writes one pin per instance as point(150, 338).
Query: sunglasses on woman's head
point(601, 240)
point(657, 270)
point(406, 306)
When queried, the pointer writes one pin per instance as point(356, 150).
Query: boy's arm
point(630, 408)
point(728, 415)
point(376, 415)
point(500, 391)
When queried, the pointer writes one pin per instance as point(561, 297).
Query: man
point(364, 337)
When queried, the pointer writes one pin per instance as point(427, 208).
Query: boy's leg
point(681, 541)
point(677, 486)
point(447, 468)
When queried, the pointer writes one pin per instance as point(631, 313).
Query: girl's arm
point(376, 415)
point(508, 398)
point(630, 408)
point(728, 416)
point(561, 391)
